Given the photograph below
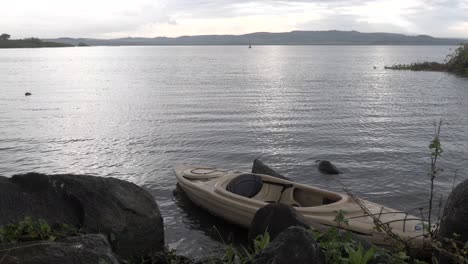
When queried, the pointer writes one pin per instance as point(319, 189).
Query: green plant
point(359, 255)
point(458, 60)
point(340, 218)
point(234, 256)
point(452, 249)
point(26, 230)
point(339, 246)
point(31, 230)
point(261, 242)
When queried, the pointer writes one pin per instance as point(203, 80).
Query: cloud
point(151, 18)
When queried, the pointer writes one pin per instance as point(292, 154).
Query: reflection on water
point(134, 112)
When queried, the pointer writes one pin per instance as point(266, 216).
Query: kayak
point(236, 197)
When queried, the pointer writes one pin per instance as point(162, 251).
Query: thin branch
point(396, 240)
point(436, 148)
point(4, 256)
point(31, 245)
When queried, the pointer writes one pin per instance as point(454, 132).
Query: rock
point(37, 198)
point(294, 245)
point(168, 257)
point(27, 94)
point(327, 167)
point(455, 216)
point(126, 213)
point(261, 168)
point(275, 218)
point(82, 249)
point(211, 260)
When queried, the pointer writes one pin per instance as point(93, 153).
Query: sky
point(172, 18)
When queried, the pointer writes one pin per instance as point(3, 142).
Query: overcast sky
point(152, 18)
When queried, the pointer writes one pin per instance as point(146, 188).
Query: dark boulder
point(455, 217)
point(294, 245)
point(261, 168)
point(34, 197)
point(27, 94)
point(126, 213)
point(275, 218)
point(327, 167)
point(73, 250)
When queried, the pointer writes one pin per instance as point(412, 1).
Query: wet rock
point(82, 249)
point(327, 167)
point(275, 218)
point(294, 245)
point(261, 168)
point(455, 217)
point(27, 94)
point(124, 212)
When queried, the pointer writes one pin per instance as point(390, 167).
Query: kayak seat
point(284, 186)
point(247, 185)
point(278, 192)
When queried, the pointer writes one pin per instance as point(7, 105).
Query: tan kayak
point(236, 196)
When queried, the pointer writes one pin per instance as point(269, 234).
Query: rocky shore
point(115, 219)
point(86, 219)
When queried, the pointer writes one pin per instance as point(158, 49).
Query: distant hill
point(332, 37)
point(30, 43)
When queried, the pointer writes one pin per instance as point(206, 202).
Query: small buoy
point(27, 94)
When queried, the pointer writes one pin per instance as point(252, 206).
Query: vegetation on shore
point(7, 43)
point(456, 62)
point(339, 247)
point(34, 230)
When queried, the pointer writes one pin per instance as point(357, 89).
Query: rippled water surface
point(134, 112)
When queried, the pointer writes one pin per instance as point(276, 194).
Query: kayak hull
point(207, 187)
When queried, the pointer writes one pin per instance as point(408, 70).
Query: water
point(134, 112)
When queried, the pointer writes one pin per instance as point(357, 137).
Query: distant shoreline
point(293, 38)
point(30, 43)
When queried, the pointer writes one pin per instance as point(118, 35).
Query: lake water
point(134, 112)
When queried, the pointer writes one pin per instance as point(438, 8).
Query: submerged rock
point(294, 245)
point(327, 167)
point(126, 213)
point(27, 94)
point(82, 249)
point(261, 168)
point(275, 218)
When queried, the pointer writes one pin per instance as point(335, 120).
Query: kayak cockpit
point(272, 190)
